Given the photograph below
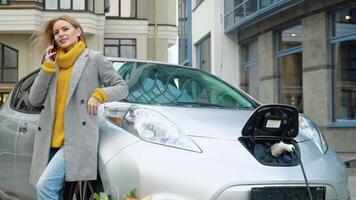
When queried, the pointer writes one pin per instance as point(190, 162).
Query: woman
point(68, 86)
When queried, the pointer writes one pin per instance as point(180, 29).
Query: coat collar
point(78, 68)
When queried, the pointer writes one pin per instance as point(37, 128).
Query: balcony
point(241, 13)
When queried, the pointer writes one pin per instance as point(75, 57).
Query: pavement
point(352, 182)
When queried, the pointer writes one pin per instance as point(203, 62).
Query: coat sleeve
point(115, 87)
point(39, 88)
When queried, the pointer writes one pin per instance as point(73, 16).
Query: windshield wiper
point(192, 104)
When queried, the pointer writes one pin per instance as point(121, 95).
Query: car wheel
point(82, 190)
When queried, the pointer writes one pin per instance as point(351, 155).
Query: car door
point(9, 124)
point(24, 149)
point(25, 139)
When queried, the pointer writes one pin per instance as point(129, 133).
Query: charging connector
point(278, 148)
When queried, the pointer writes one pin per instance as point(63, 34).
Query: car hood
point(210, 122)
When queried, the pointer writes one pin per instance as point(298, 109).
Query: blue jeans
point(51, 183)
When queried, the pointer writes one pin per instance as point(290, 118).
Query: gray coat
point(81, 132)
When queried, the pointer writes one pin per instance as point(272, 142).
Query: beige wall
point(162, 50)
point(166, 11)
point(166, 30)
point(141, 43)
point(95, 42)
point(26, 51)
point(142, 9)
point(99, 7)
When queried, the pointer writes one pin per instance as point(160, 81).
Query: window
point(20, 95)
point(344, 22)
point(250, 72)
point(290, 38)
point(291, 80)
point(343, 48)
point(265, 3)
point(250, 7)
point(125, 48)
point(8, 64)
point(290, 63)
point(4, 2)
point(69, 5)
point(123, 8)
point(204, 54)
point(183, 31)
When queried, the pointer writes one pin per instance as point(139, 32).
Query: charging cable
point(304, 175)
point(278, 148)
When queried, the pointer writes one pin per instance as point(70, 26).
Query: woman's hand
point(93, 104)
point(50, 54)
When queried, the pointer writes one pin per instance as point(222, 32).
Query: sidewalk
point(352, 182)
point(352, 186)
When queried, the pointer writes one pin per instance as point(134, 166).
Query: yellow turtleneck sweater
point(65, 62)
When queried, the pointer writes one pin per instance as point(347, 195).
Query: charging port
point(261, 151)
point(272, 125)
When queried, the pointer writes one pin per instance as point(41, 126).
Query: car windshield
point(152, 83)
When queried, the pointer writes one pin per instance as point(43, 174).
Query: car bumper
point(223, 171)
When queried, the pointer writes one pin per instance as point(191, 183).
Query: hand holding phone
point(51, 52)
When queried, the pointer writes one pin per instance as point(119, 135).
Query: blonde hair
point(44, 38)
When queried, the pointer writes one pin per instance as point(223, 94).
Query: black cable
point(304, 175)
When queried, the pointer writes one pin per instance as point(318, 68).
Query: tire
point(82, 190)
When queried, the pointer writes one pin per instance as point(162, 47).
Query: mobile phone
point(53, 58)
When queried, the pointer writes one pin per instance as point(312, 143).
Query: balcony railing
point(240, 13)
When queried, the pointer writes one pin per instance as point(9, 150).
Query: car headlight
point(150, 126)
point(309, 128)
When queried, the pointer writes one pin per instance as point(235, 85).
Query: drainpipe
point(155, 30)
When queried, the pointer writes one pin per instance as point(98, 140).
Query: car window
point(152, 83)
point(19, 99)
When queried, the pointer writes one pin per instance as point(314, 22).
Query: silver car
point(183, 134)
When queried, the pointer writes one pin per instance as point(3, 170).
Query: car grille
point(287, 193)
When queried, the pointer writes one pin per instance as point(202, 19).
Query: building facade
point(185, 32)
point(212, 50)
point(297, 52)
point(142, 29)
